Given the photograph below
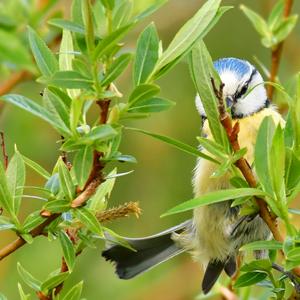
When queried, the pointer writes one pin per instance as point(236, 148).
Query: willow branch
point(19, 242)
point(243, 165)
point(4, 153)
point(277, 52)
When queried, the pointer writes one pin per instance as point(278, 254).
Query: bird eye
point(244, 90)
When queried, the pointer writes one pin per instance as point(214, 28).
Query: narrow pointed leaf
point(82, 165)
point(261, 245)
point(16, 179)
point(105, 45)
point(67, 25)
point(202, 71)
point(66, 182)
point(70, 80)
point(89, 220)
point(75, 292)
point(36, 167)
point(190, 32)
point(146, 54)
point(44, 58)
point(250, 278)
point(28, 278)
point(117, 67)
point(152, 105)
point(214, 197)
point(6, 198)
point(143, 92)
point(54, 281)
point(68, 250)
point(36, 110)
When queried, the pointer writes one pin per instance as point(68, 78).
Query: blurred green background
point(162, 177)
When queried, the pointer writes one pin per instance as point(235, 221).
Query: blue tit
point(216, 232)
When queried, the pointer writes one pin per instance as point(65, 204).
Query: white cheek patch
point(255, 100)
point(230, 81)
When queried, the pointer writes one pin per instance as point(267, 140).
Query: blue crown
point(238, 66)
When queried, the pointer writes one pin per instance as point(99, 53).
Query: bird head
point(243, 91)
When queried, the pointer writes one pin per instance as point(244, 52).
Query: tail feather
point(212, 273)
point(150, 251)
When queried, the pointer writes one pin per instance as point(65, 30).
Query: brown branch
point(42, 296)
point(80, 200)
point(277, 52)
point(14, 79)
point(244, 167)
point(4, 153)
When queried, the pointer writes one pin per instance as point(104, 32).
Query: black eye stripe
point(244, 88)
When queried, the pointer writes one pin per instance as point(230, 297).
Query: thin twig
point(4, 153)
point(13, 80)
point(277, 52)
point(19, 242)
point(290, 275)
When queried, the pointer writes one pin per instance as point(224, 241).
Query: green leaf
point(66, 182)
point(61, 95)
point(262, 150)
point(15, 174)
point(117, 67)
point(250, 278)
point(285, 28)
point(66, 57)
point(260, 245)
point(150, 10)
point(57, 107)
point(36, 110)
point(68, 250)
point(146, 55)
point(212, 147)
point(14, 52)
point(189, 33)
point(257, 21)
point(70, 80)
point(122, 14)
point(54, 281)
point(36, 167)
point(44, 58)
point(57, 206)
point(277, 157)
point(214, 197)
point(108, 4)
point(3, 297)
point(109, 42)
point(276, 15)
point(28, 278)
point(89, 220)
point(32, 221)
point(151, 105)
point(22, 294)
point(75, 292)
point(67, 25)
point(257, 265)
point(202, 70)
point(82, 165)
point(98, 201)
point(142, 92)
point(293, 255)
point(177, 144)
point(6, 223)
point(100, 133)
point(6, 198)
